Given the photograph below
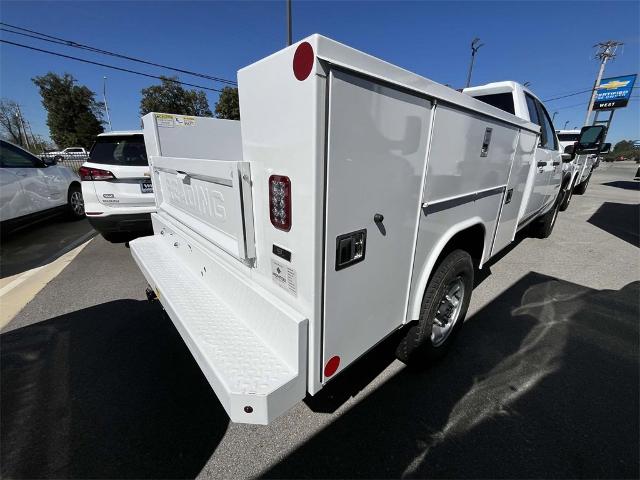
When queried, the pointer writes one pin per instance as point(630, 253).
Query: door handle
point(542, 164)
point(555, 164)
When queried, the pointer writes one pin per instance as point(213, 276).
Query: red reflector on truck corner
point(331, 366)
point(280, 202)
point(303, 61)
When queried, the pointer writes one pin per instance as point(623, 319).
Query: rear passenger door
point(541, 175)
point(549, 145)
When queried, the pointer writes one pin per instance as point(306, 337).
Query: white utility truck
point(583, 165)
point(360, 202)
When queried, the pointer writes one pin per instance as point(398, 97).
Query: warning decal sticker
point(284, 277)
point(164, 120)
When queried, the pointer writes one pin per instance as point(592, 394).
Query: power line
point(110, 66)
point(70, 43)
point(567, 95)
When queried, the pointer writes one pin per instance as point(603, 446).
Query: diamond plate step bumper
point(251, 347)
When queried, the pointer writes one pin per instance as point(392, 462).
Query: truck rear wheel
point(444, 306)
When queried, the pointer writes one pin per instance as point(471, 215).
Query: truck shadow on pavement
point(542, 382)
point(625, 184)
point(619, 219)
point(110, 391)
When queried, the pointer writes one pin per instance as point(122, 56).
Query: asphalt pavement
point(542, 382)
point(40, 243)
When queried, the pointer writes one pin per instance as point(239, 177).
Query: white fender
point(423, 278)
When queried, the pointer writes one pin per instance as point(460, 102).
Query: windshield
point(568, 137)
point(119, 150)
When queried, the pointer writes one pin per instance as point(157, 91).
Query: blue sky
point(546, 43)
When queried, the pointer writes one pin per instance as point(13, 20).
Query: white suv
point(116, 185)
point(31, 187)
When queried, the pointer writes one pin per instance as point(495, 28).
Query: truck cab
point(518, 100)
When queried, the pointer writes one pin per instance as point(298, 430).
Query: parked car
point(31, 188)
point(116, 184)
point(67, 153)
point(359, 199)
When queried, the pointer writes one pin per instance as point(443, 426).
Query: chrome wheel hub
point(448, 311)
point(77, 203)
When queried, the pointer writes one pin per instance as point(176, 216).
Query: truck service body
point(284, 259)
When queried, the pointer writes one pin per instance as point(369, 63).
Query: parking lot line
point(22, 287)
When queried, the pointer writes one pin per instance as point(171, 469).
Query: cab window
point(533, 111)
point(549, 135)
point(14, 157)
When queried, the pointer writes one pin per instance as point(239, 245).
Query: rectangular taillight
point(89, 173)
point(280, 202)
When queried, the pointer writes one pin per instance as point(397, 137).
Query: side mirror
point(591, 138)
point(569, 153)
point(605, 148)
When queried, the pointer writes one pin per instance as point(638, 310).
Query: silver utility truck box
point(284, 255)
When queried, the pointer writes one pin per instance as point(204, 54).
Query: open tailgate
point(200, 179)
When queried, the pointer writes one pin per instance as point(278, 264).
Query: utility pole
point(475, 46)
point(606, 50)
point(23, 129)
point(106, 106)
point(288, 22)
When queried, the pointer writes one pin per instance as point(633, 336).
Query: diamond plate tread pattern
point(241, 360)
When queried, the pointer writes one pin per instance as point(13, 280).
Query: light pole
point(607, 50)
point(526, 84)
point(475, 46)
point(106, 105)
point(553, 117)
point(565, 125)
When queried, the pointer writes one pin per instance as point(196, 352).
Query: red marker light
point(331, 366)
point(303, 61)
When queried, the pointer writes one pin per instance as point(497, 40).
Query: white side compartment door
point(377, 139)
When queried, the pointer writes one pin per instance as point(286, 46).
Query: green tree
point(623, 145)
point(170, 97)
point(228, 105)
point(74, 117)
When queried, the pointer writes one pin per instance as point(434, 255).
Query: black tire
point(543, 227)
point(566, 199)
point(58, 158)
point(418, 347)
point(75, 202)
point(580, 189)
point(116, 237)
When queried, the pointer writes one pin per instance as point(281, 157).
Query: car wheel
point(75, 202)
point(566, 200)
point(444, 306)
point(58, 158)
point(543, 227)
point(580, 189)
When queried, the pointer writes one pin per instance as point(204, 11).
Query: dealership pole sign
point(614, 92)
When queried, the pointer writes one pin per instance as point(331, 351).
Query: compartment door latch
point(350, 248)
